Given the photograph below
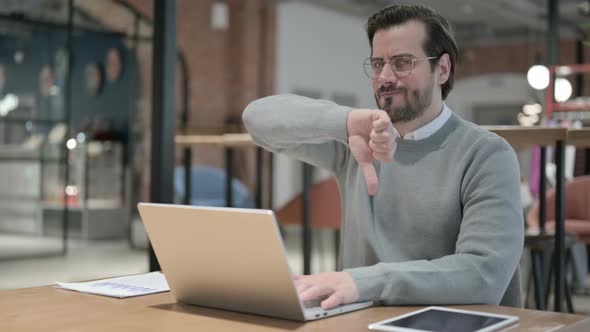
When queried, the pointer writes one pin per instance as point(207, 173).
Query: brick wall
point(514, 59)
point(224, 68)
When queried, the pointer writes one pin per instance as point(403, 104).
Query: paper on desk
point(136, 285)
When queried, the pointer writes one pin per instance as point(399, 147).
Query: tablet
point(439, 319)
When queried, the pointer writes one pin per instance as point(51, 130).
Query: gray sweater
point(446, 225)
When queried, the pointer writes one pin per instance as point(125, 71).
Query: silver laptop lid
point(225, 258)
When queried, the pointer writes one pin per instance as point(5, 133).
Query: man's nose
point(387, 75)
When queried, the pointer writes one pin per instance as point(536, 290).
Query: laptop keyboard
point(314, 308)
point(312, 304)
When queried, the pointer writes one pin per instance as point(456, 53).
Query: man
point(431, 203)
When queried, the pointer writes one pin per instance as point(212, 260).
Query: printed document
point(121, 287)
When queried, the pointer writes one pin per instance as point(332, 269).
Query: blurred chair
point(577, 228)
point(577, 210)
point(208, 187)
point(325, 209)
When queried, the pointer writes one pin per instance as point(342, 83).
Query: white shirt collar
point(431, 127)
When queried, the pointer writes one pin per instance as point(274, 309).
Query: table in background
point(526, 137)
point(229, 142)
point(52, 309)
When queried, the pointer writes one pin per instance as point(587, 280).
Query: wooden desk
point(51, 309)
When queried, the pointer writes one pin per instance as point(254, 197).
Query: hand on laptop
point(337, 288)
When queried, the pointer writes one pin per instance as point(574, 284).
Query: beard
point(416, 102)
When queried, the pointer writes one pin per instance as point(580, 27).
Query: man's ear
point(444, 63)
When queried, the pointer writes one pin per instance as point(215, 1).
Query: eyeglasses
point(402, 66)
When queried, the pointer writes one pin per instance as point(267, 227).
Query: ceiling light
point(563, 89)
point(8, 104)
point(538, 77)
point(81, 137)
point(71, 190)
point(71, 144)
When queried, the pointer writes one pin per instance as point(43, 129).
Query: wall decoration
point(114, 65)
point(2, 78)
point(94, 79)
point(46, 80)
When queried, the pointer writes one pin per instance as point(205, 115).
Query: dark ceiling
point(488, 21)
point(474, 21)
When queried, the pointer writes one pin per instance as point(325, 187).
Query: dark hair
point(439, 38)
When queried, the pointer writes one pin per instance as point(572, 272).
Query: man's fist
point(371, 136)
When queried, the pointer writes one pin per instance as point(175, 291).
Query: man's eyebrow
point(402, 54)
point(395, 56)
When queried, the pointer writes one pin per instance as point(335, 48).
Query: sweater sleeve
point(313, 131)
point(488, 247)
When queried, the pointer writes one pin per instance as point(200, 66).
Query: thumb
point(363, 155)
point(370, 177)
point(331, 302)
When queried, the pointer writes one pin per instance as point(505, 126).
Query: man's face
point(407, 98)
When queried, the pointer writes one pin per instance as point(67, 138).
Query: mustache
point(390, 88)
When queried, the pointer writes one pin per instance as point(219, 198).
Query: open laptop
point(228, 258)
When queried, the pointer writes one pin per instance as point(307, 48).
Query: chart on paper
point(121, 287)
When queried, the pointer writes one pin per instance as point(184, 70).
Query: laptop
point(228, 258)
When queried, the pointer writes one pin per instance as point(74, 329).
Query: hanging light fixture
point(538, 77)
point(563, 89)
